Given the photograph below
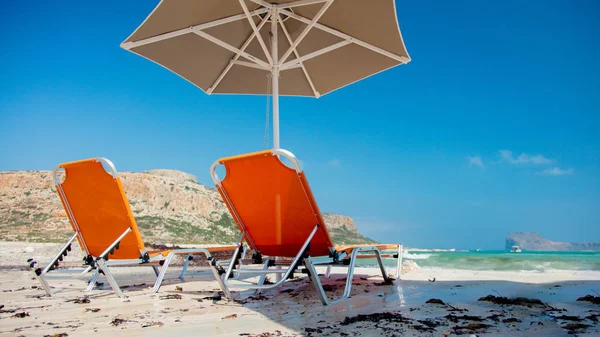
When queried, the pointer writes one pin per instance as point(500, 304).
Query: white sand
point(293, 308)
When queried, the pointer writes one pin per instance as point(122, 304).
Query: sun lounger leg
point(328, 272)
point(222, 285)
point(262, 278)
point(45, 285)
point(41, 273)
point(314, 276)
point(235, 253)
point(102, 264)
point(317, 281)
point(92, 281)
point(222, 279)
point(185, 266)
point(381, 266)
point(163, 271)
point(286, 274)
point(190, 252)
point(240, 264)
point(111, 280)
point(399, 266)
point(156, 270)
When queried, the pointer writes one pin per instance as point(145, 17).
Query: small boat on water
point(515, 249)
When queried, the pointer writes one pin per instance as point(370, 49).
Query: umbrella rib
point(263, 3)
point(288, 4)
point(401, 59)
point(296, 3)
point(237, 56)
point(232, 49)
point(256, 31)
point(314, 54)
point(302, 35)
point(176, 33)
point(304, 70)
point(247, 64)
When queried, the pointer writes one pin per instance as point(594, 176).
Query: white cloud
point(475, 161)
point(334, 162)
point(506, 156)
point(556, 171)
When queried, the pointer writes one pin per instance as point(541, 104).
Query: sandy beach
point(196, 308)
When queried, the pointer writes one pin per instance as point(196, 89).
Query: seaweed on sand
point(471, 327)
point(435, 301)
point(376, 317)
point(171, 297)
point(453, 318)
point(523, 301)
point(576, 327)
point(589, 298)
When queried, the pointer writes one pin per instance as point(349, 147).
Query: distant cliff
point(169, 207)
point(534, 241)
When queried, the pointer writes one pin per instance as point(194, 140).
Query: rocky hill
point(169, 206)
point(534, 241)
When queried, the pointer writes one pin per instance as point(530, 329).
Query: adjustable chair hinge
point(145, 258)
point(257, 258)
point(271, 263)
point(38, 271)
point(238, 256)
point(220, 270)
point(89, 261)
point(305, 254)
point(65, 252)
point(335, 256)
point(112, 251)
point(240, 252)
point(300, 262)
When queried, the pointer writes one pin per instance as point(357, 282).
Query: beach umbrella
point(271, 47)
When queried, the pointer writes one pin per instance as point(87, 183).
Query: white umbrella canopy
point(271, 47)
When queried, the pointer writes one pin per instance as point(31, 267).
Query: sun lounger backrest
point(96, 204)
point(273, 204)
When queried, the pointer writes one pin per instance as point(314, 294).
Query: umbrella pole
point(275, 77)
point(275, 88)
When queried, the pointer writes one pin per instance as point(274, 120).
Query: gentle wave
point(500, 260)
point(415, 256)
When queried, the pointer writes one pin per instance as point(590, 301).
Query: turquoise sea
point(500, 260)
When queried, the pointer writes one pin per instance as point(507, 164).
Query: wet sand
point(294, 310)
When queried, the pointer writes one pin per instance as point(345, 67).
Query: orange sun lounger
point(104, 225)
point(276, 212)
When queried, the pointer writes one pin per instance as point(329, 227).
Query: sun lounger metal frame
point(231, 278)
point(101, 264)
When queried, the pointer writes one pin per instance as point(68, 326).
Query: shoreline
point(14, 255)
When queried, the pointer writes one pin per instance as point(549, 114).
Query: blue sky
point(493, 127)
